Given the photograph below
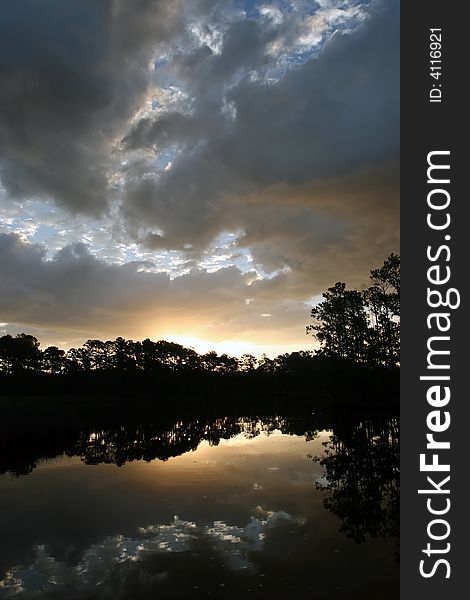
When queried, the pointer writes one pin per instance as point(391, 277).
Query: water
point(205, 508)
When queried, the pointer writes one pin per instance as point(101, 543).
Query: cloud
point(324, 119)
point(165, 127)
point(327, 231)
point(71, 76)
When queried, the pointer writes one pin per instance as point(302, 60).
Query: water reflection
point(121, 442)
point(204, 507)
point(108, 563)
point(362, 478)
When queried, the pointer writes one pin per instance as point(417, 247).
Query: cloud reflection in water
point(115, 555)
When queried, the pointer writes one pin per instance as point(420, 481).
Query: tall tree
point(383, 302)
point(19, 353)
point(362, 326)
point(53, 360)
point(340, 324)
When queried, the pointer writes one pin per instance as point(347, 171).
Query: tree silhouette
point(383, 301)
point(124, 355)
point(20, 353)
point(247, 363)
point(340, 323)
point(53, 360)
point(361, 326)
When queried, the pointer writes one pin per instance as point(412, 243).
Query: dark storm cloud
point(326, 231)
point(324, 119)
point(71, 75)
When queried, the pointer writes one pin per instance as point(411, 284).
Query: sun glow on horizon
point(230, 347)
point(237, 348)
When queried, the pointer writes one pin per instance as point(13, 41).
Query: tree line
point(22, 354)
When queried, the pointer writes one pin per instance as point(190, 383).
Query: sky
point(193, 170)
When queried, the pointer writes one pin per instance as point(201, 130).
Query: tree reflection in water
point(122, 444)
point(361, 462)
